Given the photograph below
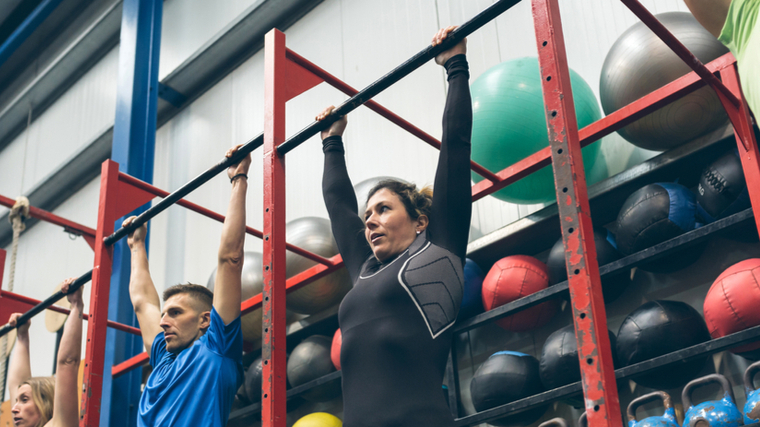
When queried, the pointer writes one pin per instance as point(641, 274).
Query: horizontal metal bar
point(51, 218)
point(186, 189)
point(647, 255)
point(129, 179)
point(379, 109)
point(129, 364)
point(85, 316)
point(26, 28)
point(81, 280)
point(398, 73)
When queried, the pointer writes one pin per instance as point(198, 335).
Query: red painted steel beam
point(589, 316)
point(274, 397)
point(679, 49)
point(46, 216)
point(374, 106)
point(129, 179)
point(92, 387)
point(606, 125)
point(130, 364)
point(57, 309)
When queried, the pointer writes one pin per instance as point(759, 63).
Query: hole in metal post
point(577, 271)
point(564, 190)
point(544, 43)
point(583, 315)
point(559, 151)
point(596, 408)
point(590, 361)
point(548, 78)
point(554, 114)
point(570, 230)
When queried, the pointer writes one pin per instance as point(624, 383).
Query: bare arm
point(19, 369)
point(65, 403)
point(227, 294)
point(710, 13)
point(142, 292)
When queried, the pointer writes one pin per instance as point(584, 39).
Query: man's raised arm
point(227, 294)
point(142, 292)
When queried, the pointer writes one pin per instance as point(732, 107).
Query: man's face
point(183, 322)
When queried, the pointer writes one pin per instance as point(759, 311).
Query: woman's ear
point(422, 223)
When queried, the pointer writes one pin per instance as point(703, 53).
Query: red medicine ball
point(731, 304)
point(512, 278)
point(335, 349)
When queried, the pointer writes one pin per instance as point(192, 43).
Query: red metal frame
point(70, 226)
point(289, 74)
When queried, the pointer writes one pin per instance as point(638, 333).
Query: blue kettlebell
point(752, 407)
point(554, 422)
point(668, 419)
point(712, 413)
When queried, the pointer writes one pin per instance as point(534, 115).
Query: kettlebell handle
point(656, 395)
point(559, 422)
point(583, 420)
point(749, 376)
point(707, 379)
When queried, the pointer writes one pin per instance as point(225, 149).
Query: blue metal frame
point(133, 148)
point(30, 24)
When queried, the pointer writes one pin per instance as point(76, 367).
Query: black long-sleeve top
point(396, 320)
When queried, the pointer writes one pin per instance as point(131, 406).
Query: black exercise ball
point(653, 214)
point(310, 360)
point(657, 328)
point(612, 286)
point(722, 190)
point(505, 377)
point(559, 358)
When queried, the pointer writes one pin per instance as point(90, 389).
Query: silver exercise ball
point(252, 284)
point(314, 235)
point(639, 63)
point(362, 190)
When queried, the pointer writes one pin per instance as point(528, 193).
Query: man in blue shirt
point(195, 343)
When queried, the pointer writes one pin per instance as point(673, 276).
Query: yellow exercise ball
point(319, 419)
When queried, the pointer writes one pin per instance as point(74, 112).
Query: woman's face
point(389, 228)
point(25, 412)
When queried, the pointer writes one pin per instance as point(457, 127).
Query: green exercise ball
point(509, 125)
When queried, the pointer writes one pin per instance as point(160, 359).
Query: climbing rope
point(18, 215)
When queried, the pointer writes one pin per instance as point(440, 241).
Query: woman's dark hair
point(417, 202)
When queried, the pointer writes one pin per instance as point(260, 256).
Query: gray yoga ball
point(252, 284)
point(314, 235)
point(639, 63)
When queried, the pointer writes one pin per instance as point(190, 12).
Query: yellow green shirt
point(741, 34)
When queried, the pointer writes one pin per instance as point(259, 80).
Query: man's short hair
point(197, 292)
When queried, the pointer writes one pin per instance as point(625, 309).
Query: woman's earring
point(418, 231)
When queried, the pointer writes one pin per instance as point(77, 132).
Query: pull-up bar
point(397, 74)
point(186, 189)
point(52, 299)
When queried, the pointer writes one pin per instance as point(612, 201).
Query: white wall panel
point(189, 24)
point(46, 256)
point(79, 115)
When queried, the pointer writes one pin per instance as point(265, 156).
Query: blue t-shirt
point(197, 386)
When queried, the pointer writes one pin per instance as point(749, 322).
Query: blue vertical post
point(133, 148)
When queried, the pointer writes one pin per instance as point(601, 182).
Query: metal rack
point(287, 75)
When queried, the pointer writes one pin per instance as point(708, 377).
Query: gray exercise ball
point(252, 284)
point(362, 190)
point(314, 235)
point(310, 360)
point(639, 63)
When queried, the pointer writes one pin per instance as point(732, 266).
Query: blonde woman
point(34, 399)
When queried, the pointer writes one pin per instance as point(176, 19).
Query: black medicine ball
point(722, 190)
point(505, 377)
point(310, 360)
point(657, 328)
point(612, 286)
point(559, 358)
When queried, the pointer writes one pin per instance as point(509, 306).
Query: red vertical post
point(589, 316)
point(89, 413)
point(273, 399)
point(745, 140)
